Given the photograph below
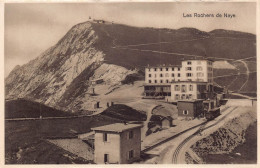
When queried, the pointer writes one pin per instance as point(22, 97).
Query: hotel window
point(177, 88)
point(105, 137)
point(190, 96)
point(172, 74)
point(161, 69)
point(189, 74)
point(187, 97)
point(166, 69)
point(179, 69)
point(185, 112)
point(150, 75)
point(149, 69)
point(179, 75)
point(188, 68)
point(183, 96)
point(200, 74)
point(167, 81)
point(161, 81)
point(183, 88)
point(177, 97)
point(172, 69)
point(130, 154)
point(199, 68)
point(155, 69)
point(155, 81)
point(130, 135)
point(161, 75)
point(189, 62)
point(191, 87)
point(150, 81)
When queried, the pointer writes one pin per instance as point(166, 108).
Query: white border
point(2, 160)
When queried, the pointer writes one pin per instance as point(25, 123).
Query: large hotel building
point(192, 80)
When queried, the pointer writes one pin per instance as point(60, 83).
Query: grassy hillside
point(29, 137)
point(22, 108)
point(219, 44)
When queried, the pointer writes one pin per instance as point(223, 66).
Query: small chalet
point(167, 122)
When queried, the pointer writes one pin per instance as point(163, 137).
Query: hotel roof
point(117, 127)
point(191, 101)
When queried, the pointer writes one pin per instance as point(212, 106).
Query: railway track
point(201, 128)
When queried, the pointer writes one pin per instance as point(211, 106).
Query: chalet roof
point(117, 127)
point(169, 118)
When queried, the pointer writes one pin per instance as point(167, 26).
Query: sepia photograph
point(130, 83)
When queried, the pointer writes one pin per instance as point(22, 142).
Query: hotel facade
point(192, 80)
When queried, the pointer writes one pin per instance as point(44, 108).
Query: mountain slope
point(60, 77)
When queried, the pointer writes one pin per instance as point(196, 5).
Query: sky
point(31, 28)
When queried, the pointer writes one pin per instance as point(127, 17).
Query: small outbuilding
point(190, 108)
point(167, 122)
point(97, 81)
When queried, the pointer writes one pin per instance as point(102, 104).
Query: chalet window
point(199, 68)
point(150, 81)
point(177, 88)
point(172, 74)
point(185, 112)
point(106, 157)
point(130, 135)
point(189, 62)
point(150, 75)
point(105, 137)
point(161, 75)
point(130, 154)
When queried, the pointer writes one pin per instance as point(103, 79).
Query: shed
point(97, 81)
point(167, 122)
point(190, 108)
